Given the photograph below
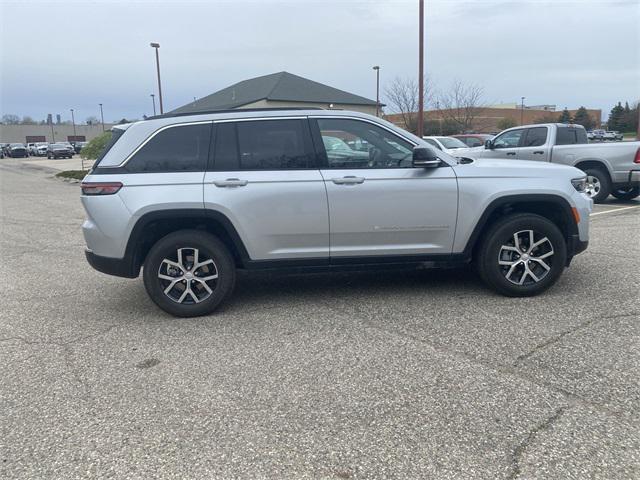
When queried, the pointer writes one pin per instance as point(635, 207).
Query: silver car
point(193, 198)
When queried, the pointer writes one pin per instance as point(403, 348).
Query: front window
point(510, 139)
point(450, 142)
point(359, 144)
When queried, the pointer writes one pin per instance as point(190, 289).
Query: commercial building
point(58, 132)
point(280, 90)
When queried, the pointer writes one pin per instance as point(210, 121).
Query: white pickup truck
point(611, 168)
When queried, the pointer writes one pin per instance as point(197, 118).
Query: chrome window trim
point(252, 119)
point(348, 117)
point(150, 137)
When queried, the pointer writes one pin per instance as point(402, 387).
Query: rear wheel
point(189, 273)
point(626, 193)
point(598, 184)
point(522, 255)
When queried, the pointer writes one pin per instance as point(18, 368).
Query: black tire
point(626, 193)
point(500, 235)
point(603, 180)
point(209, 247)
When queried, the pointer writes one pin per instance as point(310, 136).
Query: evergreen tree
point(565, 117)
point(582, 118)
point(616, 118)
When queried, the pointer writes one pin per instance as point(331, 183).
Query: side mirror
point(488, 145)
point(424, 157)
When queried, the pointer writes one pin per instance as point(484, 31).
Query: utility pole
point(157, 46)
point(377, 69)
point(638, 131)
point(73, 121)
point(522, 110)
point(153, 99)
point(421, 71)
point(101, 117)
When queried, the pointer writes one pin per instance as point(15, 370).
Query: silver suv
point(192, 198)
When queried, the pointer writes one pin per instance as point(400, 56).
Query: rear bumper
point(120, 267)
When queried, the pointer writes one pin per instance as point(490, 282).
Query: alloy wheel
point(188, 278)
point(526, 258)
point(593, 186)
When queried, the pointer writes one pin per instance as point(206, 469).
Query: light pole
point(73, 121)
point(153, 99)
point(101, 117)
point(157, 46)
point(377, 69)
point(521, 110)
point(421, 71)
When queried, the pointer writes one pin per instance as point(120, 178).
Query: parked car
point(613, 135)
point(68, 146)
point(4, 147)
point(58, 150)
point(17, 150)
point(78, 146)
point(598, 135)
point(31, 148)
point(269, 195)
point(41, 149)
point(611, 169)
point(473, 139)
point(445, 144)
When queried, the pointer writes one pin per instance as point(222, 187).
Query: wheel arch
point(153, 226)
point(594, 163)
point(553, 207)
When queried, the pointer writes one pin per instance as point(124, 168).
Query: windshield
point(450, 142)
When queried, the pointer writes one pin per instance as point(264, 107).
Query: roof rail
point(231, 110)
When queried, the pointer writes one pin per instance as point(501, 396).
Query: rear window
point(571, 136)
point(535, 137)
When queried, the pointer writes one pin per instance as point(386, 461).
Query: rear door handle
point(348, 180)
point(538, 152)
point(230, 182)
point(511, 153)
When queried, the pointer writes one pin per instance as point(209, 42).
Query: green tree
point(92, 149)
point(10, 119)
point(616, 120)
point(583, 118)
point(506, 122)
point(565, 116)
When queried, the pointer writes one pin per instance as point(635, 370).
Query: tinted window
point(472, 141)
point(226, 156)
point(356, 144)
point(509, 139)
point(570, 136)
point(432, 142)
point(536, 137)
point(176, 149)
point(274, 145)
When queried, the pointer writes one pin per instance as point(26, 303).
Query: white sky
point(58, 55)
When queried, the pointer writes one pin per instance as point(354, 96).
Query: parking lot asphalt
point(419, 374)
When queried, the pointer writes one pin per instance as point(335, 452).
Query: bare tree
point(10, 119)
point(462, 104)
point(402, 96)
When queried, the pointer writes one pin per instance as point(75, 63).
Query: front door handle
point(230, 182)
point(348, 180)
point(511, 153)
point(538, 152)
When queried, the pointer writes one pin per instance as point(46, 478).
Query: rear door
point(535, 145)
point(263, 177)
point(379, 205)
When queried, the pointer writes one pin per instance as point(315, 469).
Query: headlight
point(580, 184)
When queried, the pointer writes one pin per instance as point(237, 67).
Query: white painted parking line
point(614, 210)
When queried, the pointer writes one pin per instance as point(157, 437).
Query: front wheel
point(189, 273)
point(522, 255)
point(626, 193)
point(598, 184)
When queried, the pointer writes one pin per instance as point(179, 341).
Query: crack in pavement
point(520, 449)
point(57, 342)
point(563, 334)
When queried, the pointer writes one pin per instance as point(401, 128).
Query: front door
point(379, 205)
point(506, 145)
point(534, 145)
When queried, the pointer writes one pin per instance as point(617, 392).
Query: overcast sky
point(59, 55)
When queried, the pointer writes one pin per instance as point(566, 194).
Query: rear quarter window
point(571, 136)
point(181, 148)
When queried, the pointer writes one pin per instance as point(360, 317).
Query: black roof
point(281, 86)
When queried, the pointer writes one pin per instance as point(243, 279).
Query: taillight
point(100, 188)
point(637, 157)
